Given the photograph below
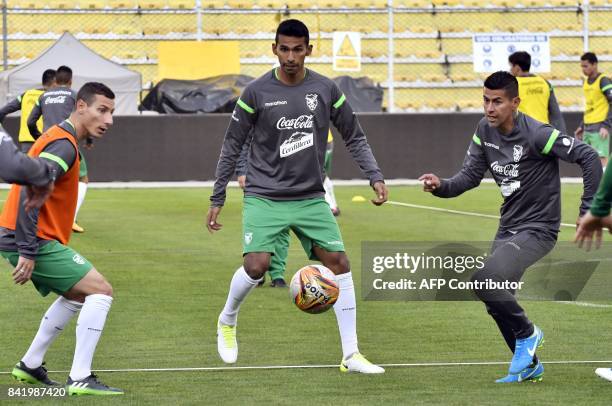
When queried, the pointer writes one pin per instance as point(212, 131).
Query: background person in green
point(591, 224)
point(537, 96)
point(26, 102)
point(278, 261)
point(595, 126)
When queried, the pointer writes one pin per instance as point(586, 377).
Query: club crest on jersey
point(248, 237)
point(312, 101)
point(517, 152)
point(78, 259)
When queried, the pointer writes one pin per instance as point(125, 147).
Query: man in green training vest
point(595, 126)
point(26, 102)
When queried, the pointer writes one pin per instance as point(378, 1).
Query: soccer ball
point(314, 289)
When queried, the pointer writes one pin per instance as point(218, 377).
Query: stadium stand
point(432, 38)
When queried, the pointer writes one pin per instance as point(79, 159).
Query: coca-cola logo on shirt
point(506, 170)
point(303, 121)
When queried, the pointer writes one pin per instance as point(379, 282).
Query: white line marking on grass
point(585, 304)
point(260, 367)
point(464, 213)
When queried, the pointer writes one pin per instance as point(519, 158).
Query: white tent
point(86, 65)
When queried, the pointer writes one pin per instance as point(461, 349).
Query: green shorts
point(57, 268)
point(266, 223)
point(83, 165)
point(602, 146)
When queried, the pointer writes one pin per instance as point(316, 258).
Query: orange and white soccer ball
point(314, 289)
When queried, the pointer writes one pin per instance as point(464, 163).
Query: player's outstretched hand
point(430, 182)
point(604, 133)
point(23, 270)
point(588, 226)
point(37, 195)
point(242, 181)
point(578, 133)
point(382, 193)
point(211, 219)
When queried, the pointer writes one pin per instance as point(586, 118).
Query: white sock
point(88, 331)
point(52, 324)
point(80, 198)
point(330, 198)
point(346, 314)
point(240, 287)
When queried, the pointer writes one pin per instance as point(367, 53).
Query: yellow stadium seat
point(534, 3)
point(503, 3)
point(563, 3)
point(407, 104)
point(61, 4)
point(241, 4)
point(445, 3)
point(273, 4)
point(404, 78)
point(433, 77)
point(95, 29)
point(422, 29)
point(123, 3)
point(300, 4)
point(181, 4)
point(155, 30)
point(430, 54)
point(378, 3)
point(29, 4)
point(126, 30)
point(213, 3)
point(462, 77)
point(92, 4)
point(329, 3)
point(152, 4)
point(474, 3)
point(412, 3)
point(357, 3)
point(468, 104)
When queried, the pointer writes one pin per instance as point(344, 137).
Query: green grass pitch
point(170, 278)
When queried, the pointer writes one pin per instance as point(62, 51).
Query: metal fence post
point(391, 52)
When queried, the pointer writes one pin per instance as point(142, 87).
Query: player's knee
point(256, 267)
point(339, 263)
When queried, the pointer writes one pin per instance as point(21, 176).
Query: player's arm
point(60, 155)
point(17, 167)
point(471, 174)
point(11, 107)
point(606, 87)
point(551, 142)
point(241, 122)
point(554, 112)
point(243, 160)
point(346, 122)
point(33, 118)
point(599, 214)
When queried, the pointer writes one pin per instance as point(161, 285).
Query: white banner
point(347, 51)
point(491, 51)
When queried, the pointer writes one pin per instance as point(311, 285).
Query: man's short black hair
point(589, 56)
point(48, 77)
point(292, 28)
point(503, 80)
point(63, 76)
point(522, 59)
point(88, 92)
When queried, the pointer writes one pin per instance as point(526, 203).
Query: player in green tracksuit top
point(288, 111)
point(592, 223)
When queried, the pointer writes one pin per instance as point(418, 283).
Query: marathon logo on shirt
point(276, 103)
point(297, 142)
point(490, 145)
point(510, 170)
point(302, 122)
